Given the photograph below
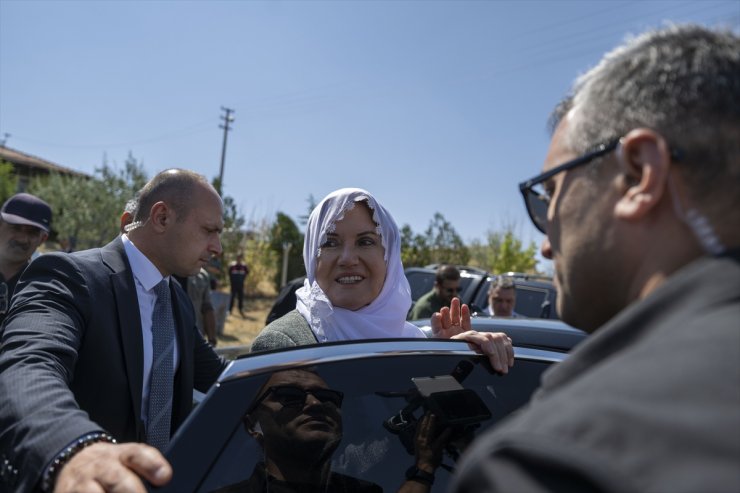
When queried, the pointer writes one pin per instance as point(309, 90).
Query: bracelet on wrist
point(52, 471)
point(413, 473)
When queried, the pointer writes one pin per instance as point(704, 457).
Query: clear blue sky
point(432, 106)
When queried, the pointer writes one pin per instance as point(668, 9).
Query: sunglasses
point(537, 199)
point(295, 397)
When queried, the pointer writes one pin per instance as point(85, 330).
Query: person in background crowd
point(356, 288)
point(501, 297)
point(100, 348)
point(25, 221)
point(198, 289)
point(238, 272)
point(446, 287)
point(640, 204)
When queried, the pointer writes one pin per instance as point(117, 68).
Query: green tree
point(260, 258)
point(285, 232)
point(415, 251)
point(8, 181)
point(235, 235)
point(446, 245)
point(86, 211)
point(504, 252)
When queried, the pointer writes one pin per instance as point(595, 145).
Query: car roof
point(540, 333)
point(269, 361)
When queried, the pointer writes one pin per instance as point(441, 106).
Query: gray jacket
point(290, 330)
point(649, 402)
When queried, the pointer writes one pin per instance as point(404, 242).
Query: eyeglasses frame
point(525, 187)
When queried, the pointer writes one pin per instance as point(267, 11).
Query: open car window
point(369, 437)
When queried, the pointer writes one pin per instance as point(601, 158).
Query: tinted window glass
point(365, 435)
point(529, 301)
point(423, 282)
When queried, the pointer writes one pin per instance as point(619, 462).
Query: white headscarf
point(385, 316)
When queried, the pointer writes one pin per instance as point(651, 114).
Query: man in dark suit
point(78, 349)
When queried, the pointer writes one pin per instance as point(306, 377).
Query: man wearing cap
point(24, 225)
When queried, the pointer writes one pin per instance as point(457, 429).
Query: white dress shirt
point(146, 276)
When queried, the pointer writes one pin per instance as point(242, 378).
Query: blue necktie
point(162, 375)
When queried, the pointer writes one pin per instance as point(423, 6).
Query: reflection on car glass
point(297, 421)
point(439, 414)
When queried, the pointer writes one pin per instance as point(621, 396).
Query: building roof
point(19, 158)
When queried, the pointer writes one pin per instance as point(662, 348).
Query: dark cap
point(24, 208)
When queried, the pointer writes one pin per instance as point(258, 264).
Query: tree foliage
point(260, 258)
point(446, 245)
point(8, 181)
point(235, 236)
point(86, 211)
point(414, 249)
point(440, 244)
point(504, 252)
point(285, 232)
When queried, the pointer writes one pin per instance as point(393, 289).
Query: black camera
point(454, 406)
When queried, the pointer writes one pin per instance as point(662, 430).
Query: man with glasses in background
point(25, 221)
point(640, 202)
point(446, 287)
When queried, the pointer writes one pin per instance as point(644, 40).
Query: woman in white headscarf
point(355, 286)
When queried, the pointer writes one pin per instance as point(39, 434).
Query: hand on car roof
point(454, 323)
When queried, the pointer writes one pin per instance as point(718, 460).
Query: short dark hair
point(447, 273)
point(174, 186)
point(502, 282)
point(682, 82)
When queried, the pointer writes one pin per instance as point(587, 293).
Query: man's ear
point(253, 428)
point(160, 215)
point(644, 160)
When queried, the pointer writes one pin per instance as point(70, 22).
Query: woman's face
point(350, 269)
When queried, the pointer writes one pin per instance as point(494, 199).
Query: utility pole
point(227, 118)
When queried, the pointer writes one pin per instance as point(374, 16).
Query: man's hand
point(116, 468)
point(454, 323)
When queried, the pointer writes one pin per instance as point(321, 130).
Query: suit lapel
point(129, 321)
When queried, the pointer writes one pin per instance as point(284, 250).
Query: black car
point(535, 294)
point(369, 400)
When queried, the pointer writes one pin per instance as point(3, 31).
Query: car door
point(387, 386)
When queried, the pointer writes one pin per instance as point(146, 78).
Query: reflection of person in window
point(297, 421)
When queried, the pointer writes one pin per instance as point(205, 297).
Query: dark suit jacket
point(71, 360)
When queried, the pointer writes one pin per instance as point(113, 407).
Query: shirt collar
point(145, 272)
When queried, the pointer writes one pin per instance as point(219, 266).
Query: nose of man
point(546, 248)
point(215, 247)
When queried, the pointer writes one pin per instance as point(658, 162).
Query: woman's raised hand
point(454, 323)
